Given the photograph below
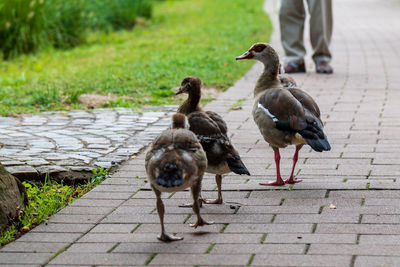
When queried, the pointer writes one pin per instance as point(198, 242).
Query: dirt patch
point(95, 100)
point(210, 92)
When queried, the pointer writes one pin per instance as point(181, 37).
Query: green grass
point(187, 37)
point(237, 104)
point(46, 199)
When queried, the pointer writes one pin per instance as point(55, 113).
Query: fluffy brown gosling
point(174, 162)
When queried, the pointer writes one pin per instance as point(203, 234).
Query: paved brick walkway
point(116, 223)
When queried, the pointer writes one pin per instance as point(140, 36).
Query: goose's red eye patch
point(258, 48)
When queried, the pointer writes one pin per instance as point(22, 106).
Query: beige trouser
point(292, 16)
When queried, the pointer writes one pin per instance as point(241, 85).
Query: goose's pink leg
point(279, 180)
point(295, 158)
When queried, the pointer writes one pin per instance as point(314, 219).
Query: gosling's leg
point(218, 180)
point(196, 188)
point(164, 236)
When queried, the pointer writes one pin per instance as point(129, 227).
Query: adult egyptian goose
point(211, 130)
point(285, 116)
point(174, 162)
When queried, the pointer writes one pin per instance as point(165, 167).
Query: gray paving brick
point(49, 237)
point(90, 247)
point(376, 261)
point(177, 247)
point(72, 210)
point(63, 228)
point(301, 260)
point(304, 238)
point(107, 195)
point(317, 218)
point(209, 259)
point(289, 194)
point(382, 202)
point(73, 218)
point(377, 218)
point(258, 249)
point(33, 247)
point(392, 210)
point(113, 228)
point(338, 202)
point(241, 218)
point(24, 258)
point(138, 210)
point(277, 209)
point(380, 239)
point(358, 229)
point(366, 194)
point(269, 228)
point(87, 202)
point(69, 258)
point(115, 188)
point(355, 249)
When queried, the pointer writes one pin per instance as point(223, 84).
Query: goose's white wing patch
point(272, 116)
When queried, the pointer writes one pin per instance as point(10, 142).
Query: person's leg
point(321, 24)
point(291, 18)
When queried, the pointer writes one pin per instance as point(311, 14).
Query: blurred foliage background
point(132, 52)
point(29, 25)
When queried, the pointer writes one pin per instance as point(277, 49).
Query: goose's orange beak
point(247, 55)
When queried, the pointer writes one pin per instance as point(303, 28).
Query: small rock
point(25, 229)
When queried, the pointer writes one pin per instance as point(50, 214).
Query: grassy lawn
point(189, 37)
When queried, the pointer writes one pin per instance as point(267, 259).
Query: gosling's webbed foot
point(190, 205)
point(213, 201)
point(168, 238)
point(200, 222)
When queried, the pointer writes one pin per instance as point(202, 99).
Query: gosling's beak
point(247, 55)
point(180, 91)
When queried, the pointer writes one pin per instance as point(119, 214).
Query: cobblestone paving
point(116, 223)
point(70, 144)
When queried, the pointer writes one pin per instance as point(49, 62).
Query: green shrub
point(21, 27)
point(29, 25)
point(67, 25)
point(107, 15)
